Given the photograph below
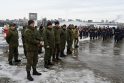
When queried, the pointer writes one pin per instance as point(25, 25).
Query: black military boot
point(54, 60)
point(46, 65)
point(35, 72)
point(58, 59)
point(68, 51)
point(29, 77)
point(10, 63)
point(18, 61)
point(50, 63)
point(62, 54)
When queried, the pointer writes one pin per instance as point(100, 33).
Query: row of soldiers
point(119, 34)
point(52, 38)
point(104, 33)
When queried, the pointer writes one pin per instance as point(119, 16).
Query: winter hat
point(49, 23)
point(56, 22)
point(30, 22)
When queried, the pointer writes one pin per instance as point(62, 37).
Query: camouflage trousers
point(56, 51)
point(62, 46)
point(32, 60)
point(76, 42)
point(69, 44)
point(48, 54)
point(13, 52)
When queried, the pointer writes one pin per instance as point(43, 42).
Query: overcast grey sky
point(83, 9)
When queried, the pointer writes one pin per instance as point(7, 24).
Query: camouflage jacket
point(12, 38)
point(48, 37)
point(31, 39)
point(69, 35)
point(63, 35)
point(57, 32)
point(41, 33)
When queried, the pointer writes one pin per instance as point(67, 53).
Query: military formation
point(104, 33)
point(54, 40)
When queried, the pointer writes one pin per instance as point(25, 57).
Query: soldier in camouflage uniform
point(41, 37)
point(69, 39)
point(57, 31)
point(49, 44)
point(32, 44)
point(12, 40)
point(38, 37)
point(23, 40)
point(63, 38)
point(76, 34)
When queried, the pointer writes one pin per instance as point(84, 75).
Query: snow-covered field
point(70, 71)
point(17, 74)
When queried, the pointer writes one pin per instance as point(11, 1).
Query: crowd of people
point(53, 39)
point(104, 33)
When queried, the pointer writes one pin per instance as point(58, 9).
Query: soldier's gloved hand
point(48, 47)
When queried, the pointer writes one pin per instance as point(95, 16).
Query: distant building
point(79, 20)
point(64, 20)
point(107, 21)
point(102, 21)
point(44, 22)
point(32, 16)
point(90, 21)
point(60, 19)
point(113, 21)
point(70, 20)
point(84, 21)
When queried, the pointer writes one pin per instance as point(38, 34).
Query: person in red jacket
point(5, 31)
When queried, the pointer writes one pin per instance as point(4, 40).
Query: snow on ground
point(17, 74)
point(84, 39)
